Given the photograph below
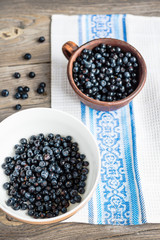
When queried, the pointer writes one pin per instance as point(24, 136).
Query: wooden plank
point(19, 35)
point(13, 230)
point(7, 81)
point(48, 7)
point(21, 23)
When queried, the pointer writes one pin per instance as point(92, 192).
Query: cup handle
point(69, 48)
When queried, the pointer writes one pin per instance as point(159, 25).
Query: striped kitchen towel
point(128, 191)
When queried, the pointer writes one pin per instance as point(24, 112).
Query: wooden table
point(21, 24)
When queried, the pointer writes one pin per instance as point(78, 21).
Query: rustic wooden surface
point(21, 23)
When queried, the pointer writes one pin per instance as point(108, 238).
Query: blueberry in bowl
point(49, 165)
point(105, 73)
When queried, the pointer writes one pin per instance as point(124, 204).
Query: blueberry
point(17, 95)
point(109, 71)
point(44, 174)
point(128, 85)
point(20, 89)
point(132, 59)
point(127, 74)
point(118, 49)
point(112, 87)
point(40, 90)
point(17, 75)
point(134, 81)
point(42, 164)
point(135, 65)
point(75, 69)
point(5, 93)
point(81, 190)
point(27, 56)
point(38, 188)
point(23, 141)
point(24, 96)
point(30, 212)
point(16, 206)
point(122, 89)
point(117, 69)
point(26, 89)
point(77, 198)
point(6, 186)
point(32, 74)
point(109, 99)
point(65, 153)
point(42, 84)
point(24, 206)
point(98, 56)
point(119, 62)
point(68, 184)
point(31, 189)
point(27, 195)
point(125, 60)
point(10, 201)
point(82, 156)
point(29, 173)
point(64, 210)
point(41, 39)
point(128, 54)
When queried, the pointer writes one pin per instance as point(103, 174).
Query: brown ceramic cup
point(72, 51)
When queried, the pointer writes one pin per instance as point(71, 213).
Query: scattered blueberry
point(41, 39)
point(20, 89)
point(40, 90)
point(17, 95)
point(5, 93)
point(26, 89)
point(42, 84)
point(27, 56)
point(18, 106)
point(32, 74)
point(17, 75)
point(24, 95)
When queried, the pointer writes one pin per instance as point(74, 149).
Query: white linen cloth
point(129, 138)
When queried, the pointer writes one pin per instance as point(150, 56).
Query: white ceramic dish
point(46, 120)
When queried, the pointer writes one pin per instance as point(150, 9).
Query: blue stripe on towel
point(130, 165)
point(133, 129)
point(98, 196)
point(116, 22)
point(90, 203)
point(83, 118)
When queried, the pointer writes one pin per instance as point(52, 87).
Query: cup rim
point(110, 41)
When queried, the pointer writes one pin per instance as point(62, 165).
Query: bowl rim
point(102, 103)
point(80, 205)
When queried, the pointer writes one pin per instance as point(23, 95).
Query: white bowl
point(46, 120)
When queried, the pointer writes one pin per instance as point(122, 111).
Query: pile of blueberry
point(46, 174)
point(106, 73)
point(41, 88)
point(22, 92)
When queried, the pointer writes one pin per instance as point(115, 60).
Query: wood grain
point(21, 23)
point(42, 71)
point(49, 7)
point(19, 36)
point(77, 231)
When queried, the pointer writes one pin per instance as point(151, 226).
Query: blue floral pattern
point(115, 195)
